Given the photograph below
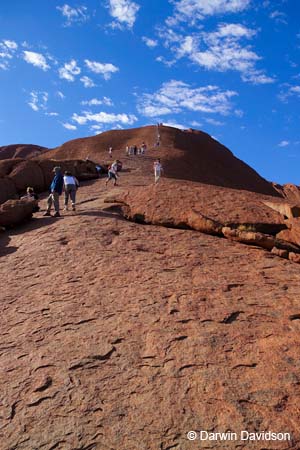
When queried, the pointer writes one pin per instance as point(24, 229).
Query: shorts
point(111, 175)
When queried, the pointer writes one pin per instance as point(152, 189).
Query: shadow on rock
point(4, 249)
point(33, 224)
point(110, 212)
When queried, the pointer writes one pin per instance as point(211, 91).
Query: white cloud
point(279, 17)
point(107, 101)
point(151, 43)
point(166, 62)
point(123, 12)
point(289, 91)
point(87, 82)
point(69, 126)
point(52, 114)
point(176, 96)
point(105, 69)
point(175, 125)
point(214, 122)
point(38, 100)
point(36, 59)
point(238, 112)
point(103, 117)
point(195, 123)
point(12, 45)
point(295, 90)
point(230, 30)
point(96, 102)
point(284, 143)
point(257, 77)
point(25, 44)
point(73, 15)
point(60, 95)
point(149, 110)
point(224, 50)
point(193, 10)
point(7, 52)
point(69, 71)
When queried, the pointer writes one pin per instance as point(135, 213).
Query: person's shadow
point(32, 224)
point(4, 241)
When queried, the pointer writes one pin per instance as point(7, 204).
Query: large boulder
point(291, 192)
point(27, 173)
point(279, 252)
point(14, 212)
point(199, 222)
point(287, 210)
point(85, 170)
point(7, 189)
point(249, 237)
point(292, 234)
point(263, 240)
point(294, 257)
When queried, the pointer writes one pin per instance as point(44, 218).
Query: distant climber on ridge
point(158, 170)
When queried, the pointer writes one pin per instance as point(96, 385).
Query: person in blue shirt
point(56, 189)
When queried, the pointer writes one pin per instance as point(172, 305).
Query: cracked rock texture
point(116, 335)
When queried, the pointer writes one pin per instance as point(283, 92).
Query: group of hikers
point(69, 184)
point(135, 150)
point(60, 182)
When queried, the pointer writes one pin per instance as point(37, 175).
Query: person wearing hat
point(56, 189)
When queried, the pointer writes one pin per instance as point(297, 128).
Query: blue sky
point(228, 67)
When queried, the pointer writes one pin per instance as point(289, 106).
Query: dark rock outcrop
point(7, 189)
point(28, 173)
point(17, 174)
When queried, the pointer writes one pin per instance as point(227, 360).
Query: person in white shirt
point(158, 170)
point(70, 186)
point(112, 173)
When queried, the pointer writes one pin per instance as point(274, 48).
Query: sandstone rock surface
point(179, 201)
point(192, 156)
point(124, 336)
point(117, 335)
